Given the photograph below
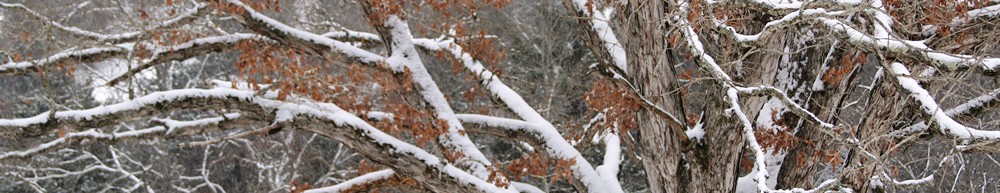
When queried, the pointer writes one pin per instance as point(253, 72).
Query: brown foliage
point(616, 103)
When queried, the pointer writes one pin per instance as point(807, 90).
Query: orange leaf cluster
point(617, 103)
point(448, 8)
point(940, 12)
point(564, 170)
point(264, 63)
point(226, 7)
point(780, 139)
point(528, 164)
point(498, 177)
point(836, 74)
point(380, 10)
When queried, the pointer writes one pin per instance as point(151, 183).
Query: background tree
point(492, 96)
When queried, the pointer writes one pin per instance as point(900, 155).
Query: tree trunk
point(650, 65)
point(799, 169)
point(880, 118)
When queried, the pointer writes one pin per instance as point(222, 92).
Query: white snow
point(346, 185)
point(599, 22)
point(345, 48)
point(930, 107)
point(174, 124)
point(612, 158)
point(786, 19)
point(70, 53)
point(554, 142)
point(698, 131)
point(404, 54)
point(324, 111)
point(882, 39)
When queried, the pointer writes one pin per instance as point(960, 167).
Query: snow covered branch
point(288, 35)
point(596, 24)
point(182, 19)
point(360, 180)
point(158, 55)
point(403, 54)
point(555, 144)
point(324, 119)
point(186, 50)
point(69, 56)
point(172, 128)
point(930, 107)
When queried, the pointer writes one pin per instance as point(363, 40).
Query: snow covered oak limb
point(930, 107)
point(583, 171)
point(170, 128)
point(324, 119)
point(297, 38)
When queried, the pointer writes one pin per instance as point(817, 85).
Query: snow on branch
point(159, 54)
point(321, 118)
point(182, 19)
point(404, 54)
point(896, 45)
point(967, 108)
point(185, 50)
point(930, 107)
point(69, 56)
point(113, 114)
point(171, 128)
point(596, 23)
point(971, 15)
point(281, 32)
point(709, 65)
point(771, 25)
point(790, 4)
point(787, 101)
point(554, 142)
point(881, 39)
point(360, 180)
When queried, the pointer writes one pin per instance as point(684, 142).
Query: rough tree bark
point(650, 66)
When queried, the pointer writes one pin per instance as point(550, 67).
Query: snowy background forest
point(499, 96)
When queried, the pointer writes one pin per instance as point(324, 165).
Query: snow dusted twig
point(912, 182)
point(68, 56)
point(173, 129)
point(159, 55)
point(360, 180)
point(597, 25)
point(182, 19)
point(929, 106)
point(787, 101)
point(770, 26)
point(259, 131)
point(969, 107)
point(304, 40)
point(185, 50)
point(321, 118)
